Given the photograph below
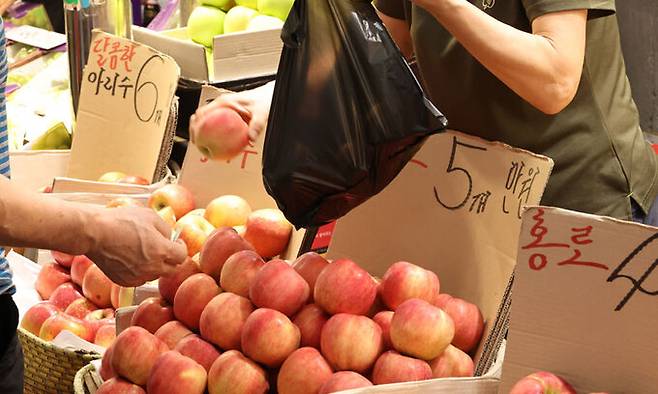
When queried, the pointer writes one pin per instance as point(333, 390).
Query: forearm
point(34, 220)
point(530, 64)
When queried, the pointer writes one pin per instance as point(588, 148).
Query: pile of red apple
point(233, 323)
point(78, 298)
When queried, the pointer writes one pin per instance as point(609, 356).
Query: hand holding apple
point(542, 382)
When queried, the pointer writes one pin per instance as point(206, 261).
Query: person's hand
point(132, 245)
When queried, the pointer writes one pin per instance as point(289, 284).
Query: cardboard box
point(235, 56)
point(455, 209)
point(36, 169)
point(584, 303)
point(73, 185)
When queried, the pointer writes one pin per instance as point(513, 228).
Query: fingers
point(256, 127)
point(176, 254)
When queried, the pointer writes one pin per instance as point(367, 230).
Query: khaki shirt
point(601, 157)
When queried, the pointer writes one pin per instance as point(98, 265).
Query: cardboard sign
point(125, 100)
point(584, 304)
point(455, 210)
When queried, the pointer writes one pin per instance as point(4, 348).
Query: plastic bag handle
point(294, 30)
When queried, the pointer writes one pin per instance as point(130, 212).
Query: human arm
point(130, 245)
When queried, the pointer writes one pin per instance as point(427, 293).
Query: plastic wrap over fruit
point(347, 112)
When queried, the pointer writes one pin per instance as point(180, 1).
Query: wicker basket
point(48, 368)
point(87, 380)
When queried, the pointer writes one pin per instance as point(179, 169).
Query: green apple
point(224, 5)
point(253, 4)
point(237, 18)
point(264, 22)
point(57, 137)
point(277, 8)
point(204, 24)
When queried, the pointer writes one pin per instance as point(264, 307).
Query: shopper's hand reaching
point(132, 245)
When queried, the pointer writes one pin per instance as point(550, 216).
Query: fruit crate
point(49, 368)
point(87, 380)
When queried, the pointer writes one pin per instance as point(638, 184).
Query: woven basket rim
point(78, 381)
point(56, 349)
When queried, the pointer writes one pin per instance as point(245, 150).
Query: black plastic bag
point(347, 112)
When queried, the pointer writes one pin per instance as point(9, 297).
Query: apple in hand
point(174, 373)
point(268, 231)
point(197, 349)
point(36, 315)
point(220, 245)
point(403, 281)
point(469, 323)
point(351, 342)
point(237, 19)
point(344, 287)
point(344, 380)
point(80, 308)
point(172, 332)
point(542, 382)
point(168, 285)
point(192, 297)
point(223, 133)
point(239, 271)
point(304, 371)
point(64, 295)
point(119, 386)
point(310, 320)
point(269, 337)
point(79, 267)
point(421, 330)
point(384, 319)
point(59, 322)
point(232, 372)
point(135, 352)
point(452, 363)
point(105, 335)
point(152, 314)
point(223, 319)
point(50, 277)
point(167, 214)
point(278, 286)
point(97, 287)
point(175, 196)
point(63, 259)
point(194, 232)
point(227, 210)
point(309, 265)
point(392, 367)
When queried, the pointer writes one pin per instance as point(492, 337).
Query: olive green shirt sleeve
point(393, 8)
point(597, 8)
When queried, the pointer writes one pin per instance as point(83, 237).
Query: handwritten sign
point(125, 101)
point(454, 210)
point(584, 302)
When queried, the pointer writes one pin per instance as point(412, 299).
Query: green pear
point(204, 24)
point(224, 5)
point(277, 8)
point(253, 4)
point(238, 18)
point(57, 137)
point(264, 22)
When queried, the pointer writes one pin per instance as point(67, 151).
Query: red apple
point(98, 318)
point(452, 363)
point(228, 211)
point(542, 382)
point(403, 281)
point(172, 332)
point(122, 202)
point(80, 308)
point(59, 322)
point(222, 134)
point(269, 337)
point(239, 271)
point(134, 180)
point(223, 318)
point(36, 315)
point(177, 197)
point(174, 373)
point(168, 285)
point(392, 367)
point(268, 231)
point(344, 287)
point(220, 245)
point(309, 265)
point(192, 297)
point(64, 295)
point(49, 278)
point(197, 349)
point(167, 214)
point(441, 300)
point(194, 232)
point(135, 352)
point(232, 372)
point(105, 335)
point(111, 176)
point(278, 286)
point(63, 259)
point(344, 380)
point(310, 321)
point(97, 287)
point(79, 267)
point(421, 330)
point(119, 386)
point(384, 320)
point(115, 290)
point(303, 372)
point(351, 342)
point(152, 314)
point(106, 371)
point(469, 323)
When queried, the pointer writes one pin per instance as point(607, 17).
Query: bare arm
point(399, 31)
point(543, 67)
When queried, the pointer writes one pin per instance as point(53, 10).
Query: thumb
point(177, 253)
point(256, 127)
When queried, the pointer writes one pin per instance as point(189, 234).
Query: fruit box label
point(584, 302)
point(455, 209)
point(125, 99)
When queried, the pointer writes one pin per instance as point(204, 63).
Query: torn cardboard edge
point(73, 185)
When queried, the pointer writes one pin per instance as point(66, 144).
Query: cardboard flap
point(37, 168)
point(584, 304)
point(125, 100)
point(97, 198)
point(455, 209)
point(246, 54)
point(72, 185)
